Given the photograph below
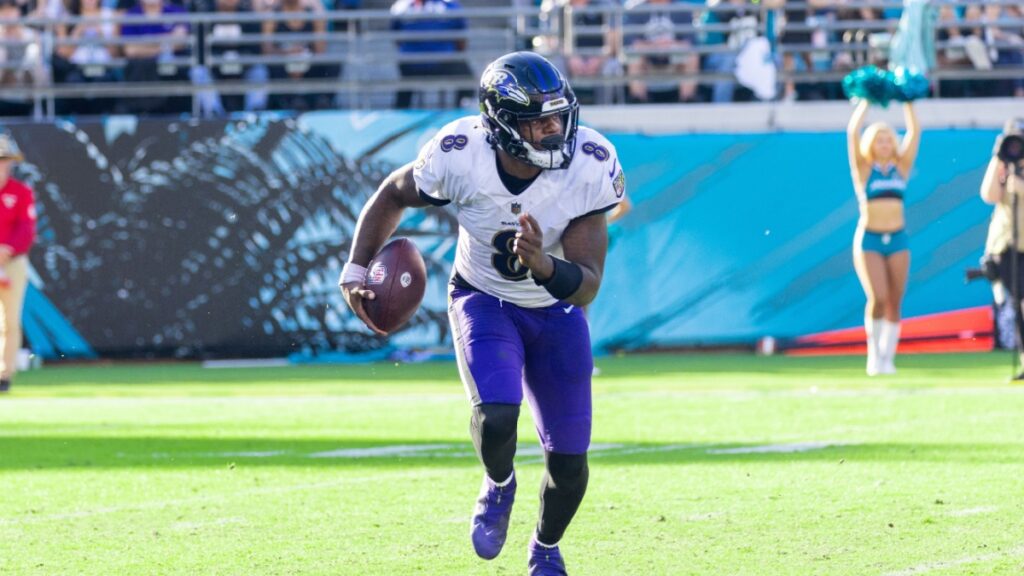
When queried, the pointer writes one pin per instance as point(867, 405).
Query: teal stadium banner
point(174, 238)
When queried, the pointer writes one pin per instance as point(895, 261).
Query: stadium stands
point(210, 57)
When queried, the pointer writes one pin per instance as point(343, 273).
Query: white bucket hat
point(8, 149)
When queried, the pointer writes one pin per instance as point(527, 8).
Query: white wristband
point(352, 272)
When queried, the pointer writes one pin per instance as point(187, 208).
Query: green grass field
point(713, 465)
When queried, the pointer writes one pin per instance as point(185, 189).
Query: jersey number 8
point(505, 261)
point(596, 150)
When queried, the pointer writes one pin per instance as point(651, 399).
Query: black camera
point(1010, 144)
point(988, 268)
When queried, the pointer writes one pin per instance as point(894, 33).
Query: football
point(397, 276)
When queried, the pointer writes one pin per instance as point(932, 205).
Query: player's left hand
point(529, 247)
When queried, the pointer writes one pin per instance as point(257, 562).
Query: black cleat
point(5, 385)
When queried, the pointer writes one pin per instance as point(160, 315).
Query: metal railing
point(359, 51)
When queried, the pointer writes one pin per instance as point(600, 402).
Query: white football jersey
point(459, 166)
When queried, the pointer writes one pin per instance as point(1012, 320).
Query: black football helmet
point(525, 86)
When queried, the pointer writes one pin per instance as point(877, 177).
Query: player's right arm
point(377, 222)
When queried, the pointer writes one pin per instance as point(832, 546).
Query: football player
point(531, 190)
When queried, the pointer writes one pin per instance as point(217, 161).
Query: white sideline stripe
point(599, 450)
point(945, 564)
point(378, 451)
point(254, 454)
point(973, 511)
point(433, 451)
point(535, 450)
point(531, 453)
point(748, 395)
point(535, 454)
point(450, 450)
point(173, 455)
point(777, 448)
point(250, 363)
point(157, 504)
point(651, 449)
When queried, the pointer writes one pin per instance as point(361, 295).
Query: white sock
point(873, 327)
point(890, 339)
point(506, 482)
point(543, 545)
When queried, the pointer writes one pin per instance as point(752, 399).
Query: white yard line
point(252, 454)
point(947, 564)
point(792, 448)
point(626, 451)
point(976, 511)
point(382, 451)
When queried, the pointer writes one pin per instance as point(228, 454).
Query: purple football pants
point(504, 350)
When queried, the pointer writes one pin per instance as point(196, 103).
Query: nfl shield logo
point(517, 208)
point(378, 273)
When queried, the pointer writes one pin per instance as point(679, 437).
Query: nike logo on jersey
point(611, 174)
point(567, 309)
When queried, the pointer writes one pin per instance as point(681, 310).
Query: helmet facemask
point(554, 152)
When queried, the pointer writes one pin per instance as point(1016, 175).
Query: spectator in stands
point(341, 25)
point(854, 34)
point(122, 7)
point(156, 59)
point(274, 5)
point(964, 49)
point(799, 42)
point(228, 42)
point(1005, 48)
point(447, 21)
point(742, 21)
point(594, 54)
point(949, 32)
point(298, 52)
point(52, 9)
point(981, 42)
point(84, 53)
point(661, 34)
point(21, 61)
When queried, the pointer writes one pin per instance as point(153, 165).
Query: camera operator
point(1002, 187)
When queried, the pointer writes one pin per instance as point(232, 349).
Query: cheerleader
point(880, 164)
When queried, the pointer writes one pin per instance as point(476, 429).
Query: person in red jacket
point(17, 233)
